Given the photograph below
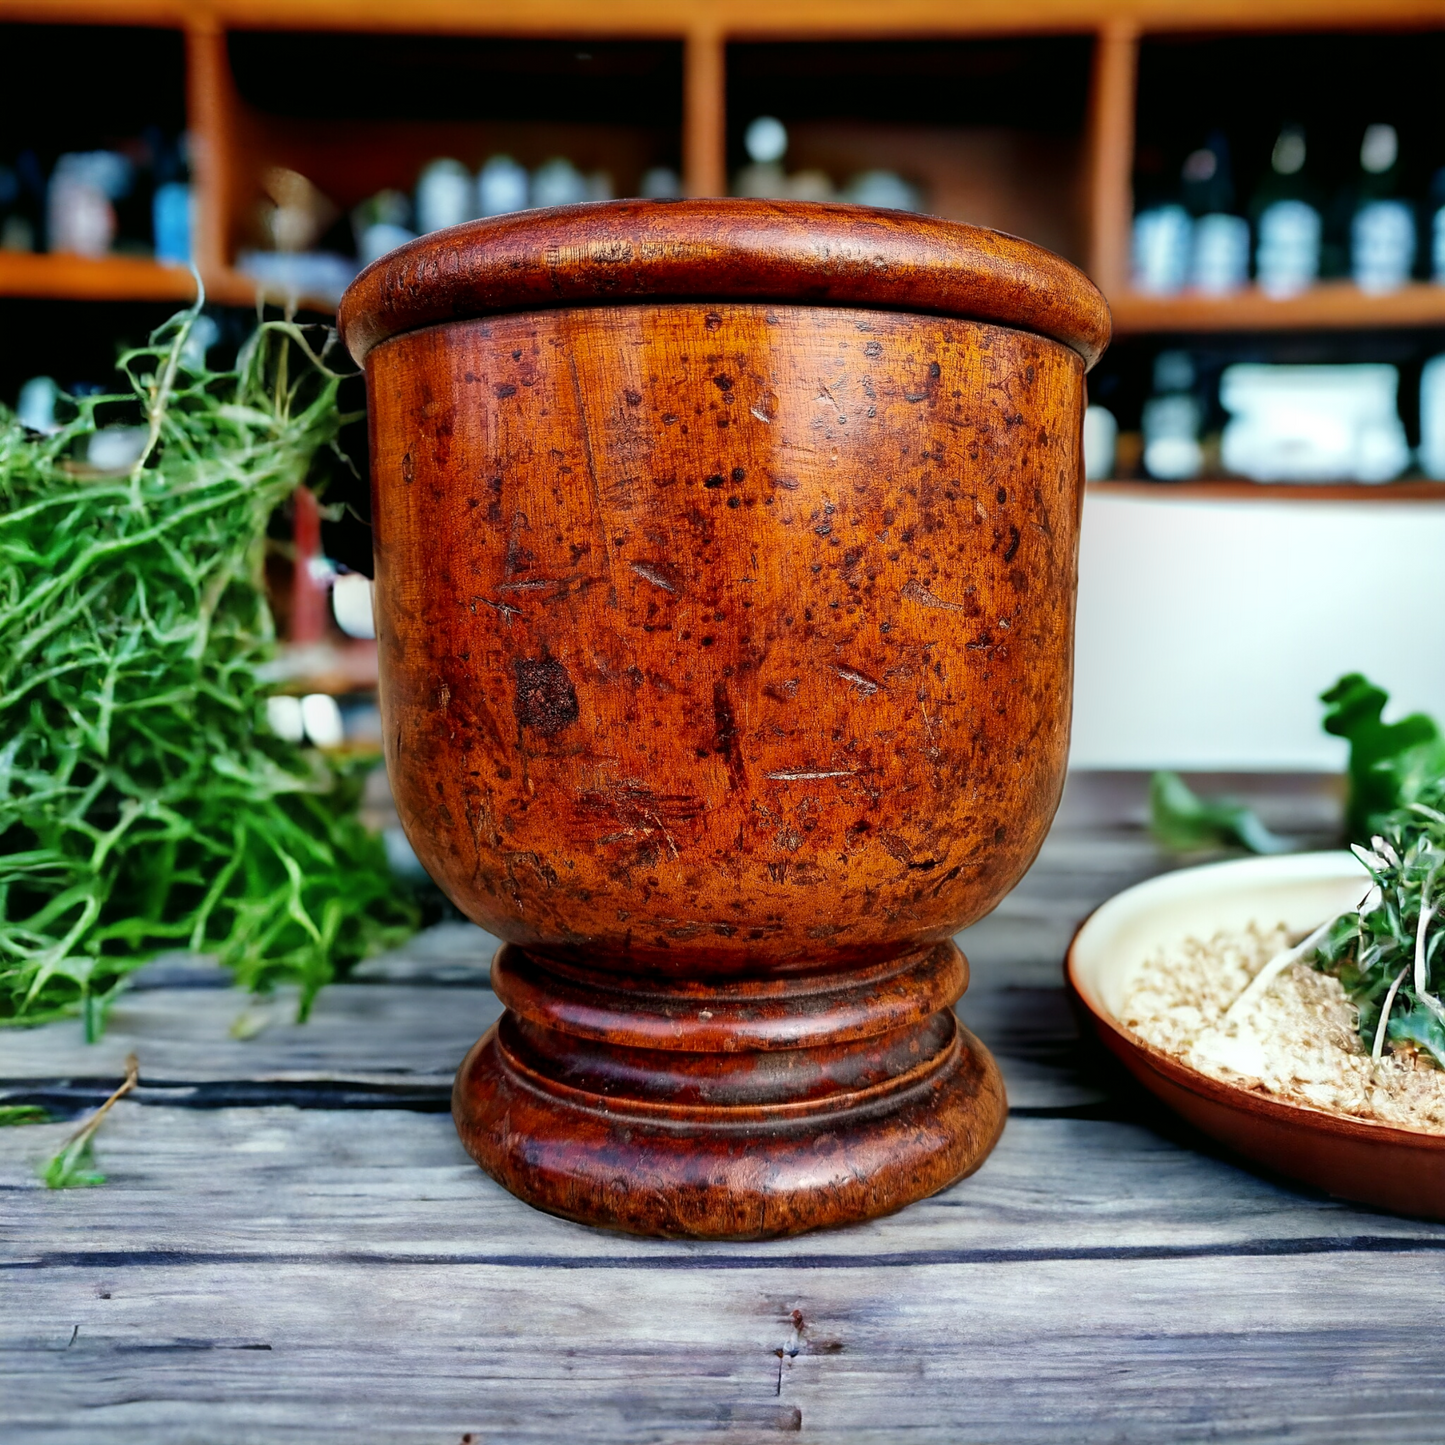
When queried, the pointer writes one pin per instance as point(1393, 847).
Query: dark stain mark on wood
point(725, 734)
point(546, 701)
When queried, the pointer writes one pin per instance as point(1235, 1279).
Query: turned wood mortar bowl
point(725, 570)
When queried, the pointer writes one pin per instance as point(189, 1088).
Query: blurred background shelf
point(98, 278)
point(1330, 305)
point(1022, 116)
point(1057, 120)
point(1231, 489)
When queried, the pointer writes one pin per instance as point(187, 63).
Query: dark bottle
point(23, 224)
point(1382, 226)
point(1206, 180)
point(1286, 216)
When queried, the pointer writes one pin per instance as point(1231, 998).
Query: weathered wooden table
point(292, 1245)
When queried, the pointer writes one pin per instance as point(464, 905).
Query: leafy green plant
point(1182, 820)
point(1390, 763)
point(144, 803)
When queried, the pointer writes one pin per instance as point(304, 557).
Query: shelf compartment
point(991, 130)
point(382, 106)
point(85, 87)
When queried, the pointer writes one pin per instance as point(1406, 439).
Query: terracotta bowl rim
point(808, 253)
point(1306, 1118)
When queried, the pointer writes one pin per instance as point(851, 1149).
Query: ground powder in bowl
point(1300, 1043)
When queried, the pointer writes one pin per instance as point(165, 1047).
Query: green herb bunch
point(1387, 955)
point(144, 803)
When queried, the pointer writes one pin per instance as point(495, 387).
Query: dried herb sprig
point(144, 803)
point(74, 1167)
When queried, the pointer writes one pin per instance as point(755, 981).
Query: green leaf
point(1182, 820)
point(14, 1116)
point(1421, 1028)
point(1390, 763)
point(73, 1168)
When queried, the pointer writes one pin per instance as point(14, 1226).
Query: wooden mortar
point(725, 570)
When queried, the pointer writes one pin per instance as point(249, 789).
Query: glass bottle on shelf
point(1382, 230)
point(766, 142)
point(446, 195)
point(502, 186)
point(381, 224)
point(559, 183)
point(23, 228)
point(1219, 253)
point(1436, 209)
point(172, 203)
point(661, 183)
point(1432, 419)
point(9, 195)
point(1288, 223)
point(1171, 421)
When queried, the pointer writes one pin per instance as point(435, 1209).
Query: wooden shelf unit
point(232, 141)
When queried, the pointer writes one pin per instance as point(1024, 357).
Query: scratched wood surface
point(293, 1245)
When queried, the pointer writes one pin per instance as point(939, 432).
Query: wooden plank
point(401, 1043)
point(91, 278)
point(1327, 305)
point(1318, 1348)
point(793, 18)
point(293, 1185)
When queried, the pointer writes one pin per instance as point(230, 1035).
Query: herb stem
point(1261, 983)
point(1379, 1046)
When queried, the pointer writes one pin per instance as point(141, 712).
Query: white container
point(1162, 248)
point(1313, 423)
point(1287, 260)
point(1220, 261)
point(351, 605)
point(379, 238)
point(661, 183)
point(80, 218)
point(884, 189)
point(1432, 419)
point(446, 195)
point(1171, 438)
point(558, 183)
point(1382, 246)
point(1101, 436)
point(502, 186)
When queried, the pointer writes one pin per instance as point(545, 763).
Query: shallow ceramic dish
point(1398, 1169)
